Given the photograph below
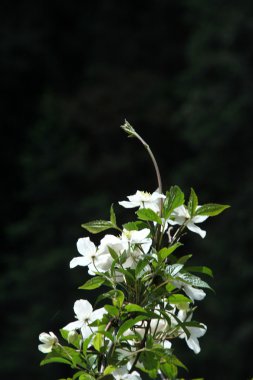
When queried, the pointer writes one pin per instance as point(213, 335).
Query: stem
point(130, 130)
point(142, 345)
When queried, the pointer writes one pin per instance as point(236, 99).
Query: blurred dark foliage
point(181, 72)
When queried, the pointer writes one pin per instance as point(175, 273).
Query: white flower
point(123, 374)
point(48, 340)
point(85, 316)
point(195, 332)
point(143, 199)
point(190, 291)
point(95, 259)
point(88, 251)
point(181, 216)
point(136, 243)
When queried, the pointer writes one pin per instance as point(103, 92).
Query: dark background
point(181, 73)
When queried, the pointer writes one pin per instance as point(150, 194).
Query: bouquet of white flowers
point(149, 290)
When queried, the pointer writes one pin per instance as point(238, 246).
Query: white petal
point(97, 314)
point(191, 226)
point(44, 337)
point(139, 236)
point(194, 293)
point(181, 211)
point(83, 309)
point(167, 344)
point(127, 204)
point(156, 195)
point(193, 344)
point(199, 218)
point(82, 261)
point(73, 326)
point(87, 331)
point(45, 348)
point(198, 331)
point(85, 246)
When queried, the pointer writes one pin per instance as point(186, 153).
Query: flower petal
point(73, 326)
point(82, 261)
point(83, 309)
point(191, 226)
point(85, 246)
point(97, 314)
point(194, 293)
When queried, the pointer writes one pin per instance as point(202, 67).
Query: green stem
point(130, 130)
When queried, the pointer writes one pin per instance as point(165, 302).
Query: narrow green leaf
point(200, 269)
point(129, 324)
point(148, 215)
point(211, 209)
point(113, 254)
point(97, 226)
point(184, 259)
point(113, 216)
point(93, 283)
point(174, 199)
point(54, 357)
point(193, 203)
point(140, 268)
point(165, 252)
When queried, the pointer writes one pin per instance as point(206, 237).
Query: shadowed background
point(181, 73)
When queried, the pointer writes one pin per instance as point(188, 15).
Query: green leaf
point(140, 268)
point(98, 341)
point(175, 299)
point(112, 310)
point(97, 226)
point(169, 370)
point(129, 324)
point(117, 297)
point(193, 203)
point(131, 307)
point(148, 215)
point(86, 376)
point(109, 369)
point(211, 209)
point(174, 199)
point(93, 283)
point(165, 252)
point(184, 259)
point(54, 357)
point(114, 254)
point(193, 280)
point(113, 216)
point(134, 226)
point(200, 269)
point(172, 270)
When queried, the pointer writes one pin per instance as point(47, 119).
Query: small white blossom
point(85, 316)
point(136, 244)
point(181, 216)
point(88, 251)
point(143, 199)
point(123, 374)
point(195, 332)
point(48, 340)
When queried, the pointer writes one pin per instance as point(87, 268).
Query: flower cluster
point(148, 296)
